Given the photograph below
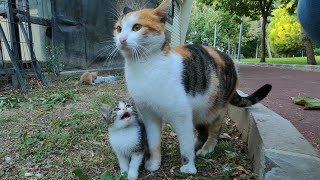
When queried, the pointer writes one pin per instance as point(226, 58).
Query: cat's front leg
point(153, 126)
point(123, 162)
point(136, 160)
point(183, 125)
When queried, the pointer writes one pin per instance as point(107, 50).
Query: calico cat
point(88, 78)
point(127, 137)
point(187, 86)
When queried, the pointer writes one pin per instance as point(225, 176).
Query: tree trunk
point(257, 50)
point(309, 49)
point(263, 40)
point(229, 46)
point(268, 47)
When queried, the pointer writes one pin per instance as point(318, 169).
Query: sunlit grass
point(291, 60)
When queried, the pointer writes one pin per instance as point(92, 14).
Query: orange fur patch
point(183, 52)
point(150, 22)
point(215, 55)
point(88, 78)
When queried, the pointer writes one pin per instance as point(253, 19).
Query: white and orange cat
point(187, 86)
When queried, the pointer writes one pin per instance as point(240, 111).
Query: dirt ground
point(286, 84)
point(59, 133)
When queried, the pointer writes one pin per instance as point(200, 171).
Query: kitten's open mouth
point(125, 116)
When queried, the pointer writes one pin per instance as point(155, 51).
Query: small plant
point(53, 61)
point(28, 140)
point(105, 176)
point(10, 102)
point(57, 98)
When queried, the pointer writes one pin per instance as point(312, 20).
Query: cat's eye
point(118, 28)
point(128, 106)
point(116, 109)
point(136, 27)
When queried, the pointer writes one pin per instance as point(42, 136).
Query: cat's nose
point(123, 41)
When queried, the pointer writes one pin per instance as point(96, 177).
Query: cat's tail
point(254, 98)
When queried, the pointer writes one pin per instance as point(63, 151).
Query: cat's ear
point(127, 10)
point(105, 111)
point(163, 9)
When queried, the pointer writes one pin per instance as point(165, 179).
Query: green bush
point(317, 51)
point(53, 61)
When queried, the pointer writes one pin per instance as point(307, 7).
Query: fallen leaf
point(225, 136)
point(242, 169)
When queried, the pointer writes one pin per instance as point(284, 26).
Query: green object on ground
point(307, 102)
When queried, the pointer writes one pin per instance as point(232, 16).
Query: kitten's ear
point(127, 10)
point(105, 111)
point(163, 9)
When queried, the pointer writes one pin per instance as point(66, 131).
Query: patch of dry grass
point(55, 141)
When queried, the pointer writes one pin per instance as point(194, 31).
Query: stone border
point(278, 149)
point(314, 68)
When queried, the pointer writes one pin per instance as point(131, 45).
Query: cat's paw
point(204, 151)
point(189, 169)
point(152, 165)
point(132, 176)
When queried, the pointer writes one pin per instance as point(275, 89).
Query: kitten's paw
point(189, 169)
point(132, 176)
point(152, 165)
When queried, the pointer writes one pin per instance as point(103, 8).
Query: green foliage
point(53, 61)
point(240, 8)
point(10, 102)
point(284, 32)
point(317, 51)
point(105, 176)
point(203, 20)
point(57, 98)
point(292, 60)
point(80, 174)
point(28, 140)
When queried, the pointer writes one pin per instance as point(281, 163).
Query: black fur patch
point(254, 98)
point(228, 76)
point(197, 69)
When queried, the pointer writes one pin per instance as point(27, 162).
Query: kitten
point(88, 78)
point(127, 137)
point(187, 86)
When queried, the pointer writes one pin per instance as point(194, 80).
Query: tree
point(292, 8)
point(284, 32)
point(249, 8)
point(203, 20)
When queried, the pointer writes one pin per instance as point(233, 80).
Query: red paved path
point(286, 83)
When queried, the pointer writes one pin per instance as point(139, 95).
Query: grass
point(292, 60)
point(59, 133)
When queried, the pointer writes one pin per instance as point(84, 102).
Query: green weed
point(11, 102)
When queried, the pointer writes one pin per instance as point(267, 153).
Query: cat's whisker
point(114, 12)
point(110, 56)
point(103, 50)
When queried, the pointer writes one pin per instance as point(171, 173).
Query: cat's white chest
point(125, 140)
point(155, 81)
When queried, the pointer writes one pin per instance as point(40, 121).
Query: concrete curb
point(314, 68)
point(278, 149)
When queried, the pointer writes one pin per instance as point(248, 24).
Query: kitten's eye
point(116, 109)
point(136, 27)
point(118, 28)
point(128, 106)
